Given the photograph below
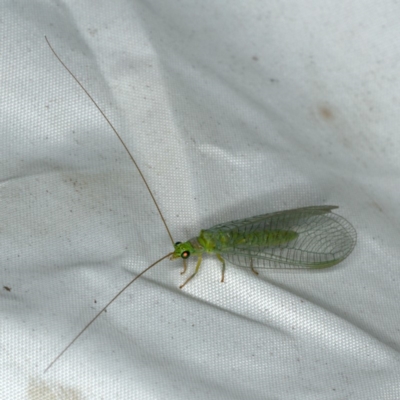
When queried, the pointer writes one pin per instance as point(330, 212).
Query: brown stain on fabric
point(326, 113)
point(39, 390)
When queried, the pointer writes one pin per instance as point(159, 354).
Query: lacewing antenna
point(149, 190)
point(103, 309)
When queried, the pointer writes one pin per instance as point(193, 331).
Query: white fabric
point(232, 109)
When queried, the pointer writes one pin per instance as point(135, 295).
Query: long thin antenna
point(150, 192)
point(104, 308)
point(118, 136)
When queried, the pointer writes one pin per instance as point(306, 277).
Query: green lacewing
point(309, 237)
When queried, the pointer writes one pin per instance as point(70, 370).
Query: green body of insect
point(310, 237)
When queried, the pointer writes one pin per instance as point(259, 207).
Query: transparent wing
point(310, 237)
